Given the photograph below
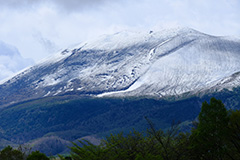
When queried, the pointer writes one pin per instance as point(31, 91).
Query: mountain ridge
point(157, 64)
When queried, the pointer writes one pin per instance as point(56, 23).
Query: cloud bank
point(69, 5)
point(11, 61)
point(39, 28)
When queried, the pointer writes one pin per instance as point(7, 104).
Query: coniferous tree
point(208, 140)
point(234, 137)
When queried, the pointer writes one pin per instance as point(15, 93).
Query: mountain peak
point(169, 62)
point(127, 38)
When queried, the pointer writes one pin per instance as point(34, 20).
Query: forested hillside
point(214, 135)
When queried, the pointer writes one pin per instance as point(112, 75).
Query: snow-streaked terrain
point(165, 63)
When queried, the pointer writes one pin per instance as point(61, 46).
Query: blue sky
point(39, 28)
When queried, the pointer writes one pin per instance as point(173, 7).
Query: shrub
point(36, 155)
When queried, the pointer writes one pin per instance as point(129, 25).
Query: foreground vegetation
point(9, 153)
point(215, 136)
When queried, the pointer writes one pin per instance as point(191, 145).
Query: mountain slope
point(110, 84)
point(55, 121)
point(167, 63)
point(70, 119)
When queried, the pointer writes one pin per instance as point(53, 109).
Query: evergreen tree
point(234, 138)
point(208, 140)
point(88, 151)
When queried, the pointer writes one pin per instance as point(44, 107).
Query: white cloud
point(40, 27)
point(70, 5)
point(11, 61)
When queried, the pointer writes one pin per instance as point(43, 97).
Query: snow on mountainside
point(164, 63)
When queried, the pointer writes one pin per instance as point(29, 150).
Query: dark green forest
point(215, 135)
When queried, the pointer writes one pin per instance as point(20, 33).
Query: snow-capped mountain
point(165, 63)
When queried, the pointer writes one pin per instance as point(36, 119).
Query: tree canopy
point(216, 136)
